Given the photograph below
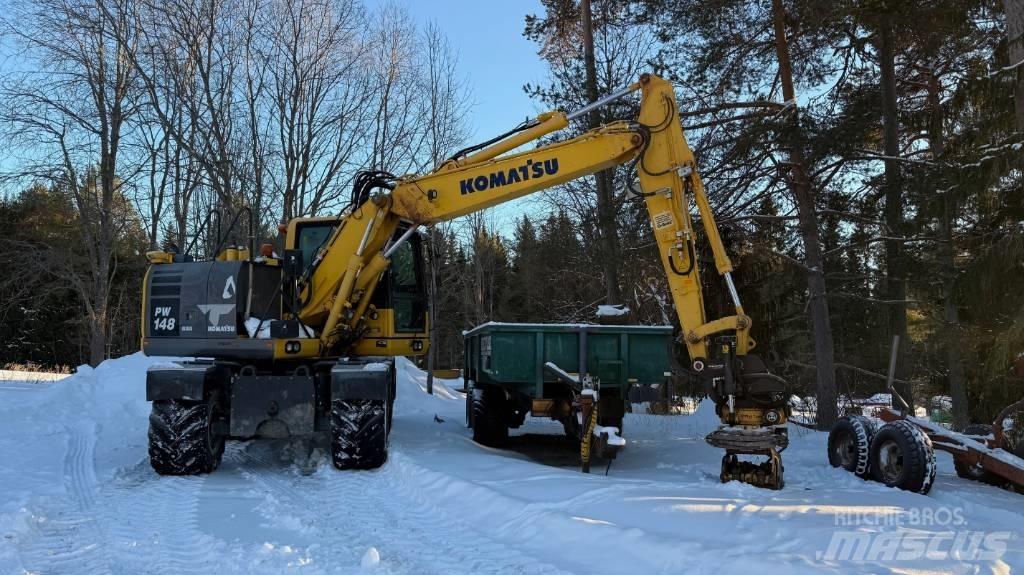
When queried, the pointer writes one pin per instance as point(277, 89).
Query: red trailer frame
point(990, 454)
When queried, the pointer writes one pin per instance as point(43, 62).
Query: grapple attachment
point(752, 405)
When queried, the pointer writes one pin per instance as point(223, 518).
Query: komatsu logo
point(529, 170)
point(214, 312)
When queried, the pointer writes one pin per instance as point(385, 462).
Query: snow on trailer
point(988, 454)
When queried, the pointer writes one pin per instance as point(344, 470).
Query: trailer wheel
point(489, 427)
point(359, 438)
point(182, 436)
point(849, 444)
point(902, 456)
point(976, 472)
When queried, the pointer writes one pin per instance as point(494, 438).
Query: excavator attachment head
point(752, 405)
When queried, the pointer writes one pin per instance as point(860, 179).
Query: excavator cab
point(397, 322)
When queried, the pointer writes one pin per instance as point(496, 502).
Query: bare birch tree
point(69, 109)
point(319, 96)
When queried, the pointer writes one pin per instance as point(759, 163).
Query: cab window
point(311, 237)
point(402, 289)
point(406, 287)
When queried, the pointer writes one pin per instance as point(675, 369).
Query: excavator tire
point(902, 456)
point(359, 434)
point(488, 417)
point(849, 443)
point(181, 436)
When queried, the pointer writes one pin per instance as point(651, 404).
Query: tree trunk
point(950, 312)
point(896, 288)
point(607, 229)
point(1015, 47)
point(98, 335)
point(803, 191)
point(951, 317)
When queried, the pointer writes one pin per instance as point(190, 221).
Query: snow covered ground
point(79, 497)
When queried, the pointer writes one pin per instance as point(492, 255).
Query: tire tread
point(918, 456)
point(178, 443)
point(488, 418)
point(359, 430)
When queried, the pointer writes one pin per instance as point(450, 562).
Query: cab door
point(398, 323)
point(407, 288)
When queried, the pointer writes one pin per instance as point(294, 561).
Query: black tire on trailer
point(849, 444)
point(902, 456)
point(359, 438)
point(976, 472)
point(489, 426)
point(611, 410)
point(183, 438)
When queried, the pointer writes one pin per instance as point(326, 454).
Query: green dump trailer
point(554, 370)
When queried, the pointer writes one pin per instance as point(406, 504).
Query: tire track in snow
point(543, 528)
point(336, 513)
point(367, 509)
point(154, 523)
point(477, 551)
point(66, 533)
point(79, 466)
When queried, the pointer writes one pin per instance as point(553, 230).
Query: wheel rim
point(845, 450)
point(890, 461)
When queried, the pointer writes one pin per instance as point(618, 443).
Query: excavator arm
point(344, 280)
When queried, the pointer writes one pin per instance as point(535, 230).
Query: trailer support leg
point(588, 411)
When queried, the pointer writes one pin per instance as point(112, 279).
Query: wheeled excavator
point(304, 342)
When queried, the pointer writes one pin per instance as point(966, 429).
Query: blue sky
point(493, 55)
point(496, 61)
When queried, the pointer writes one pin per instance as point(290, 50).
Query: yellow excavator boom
point(342, 284)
